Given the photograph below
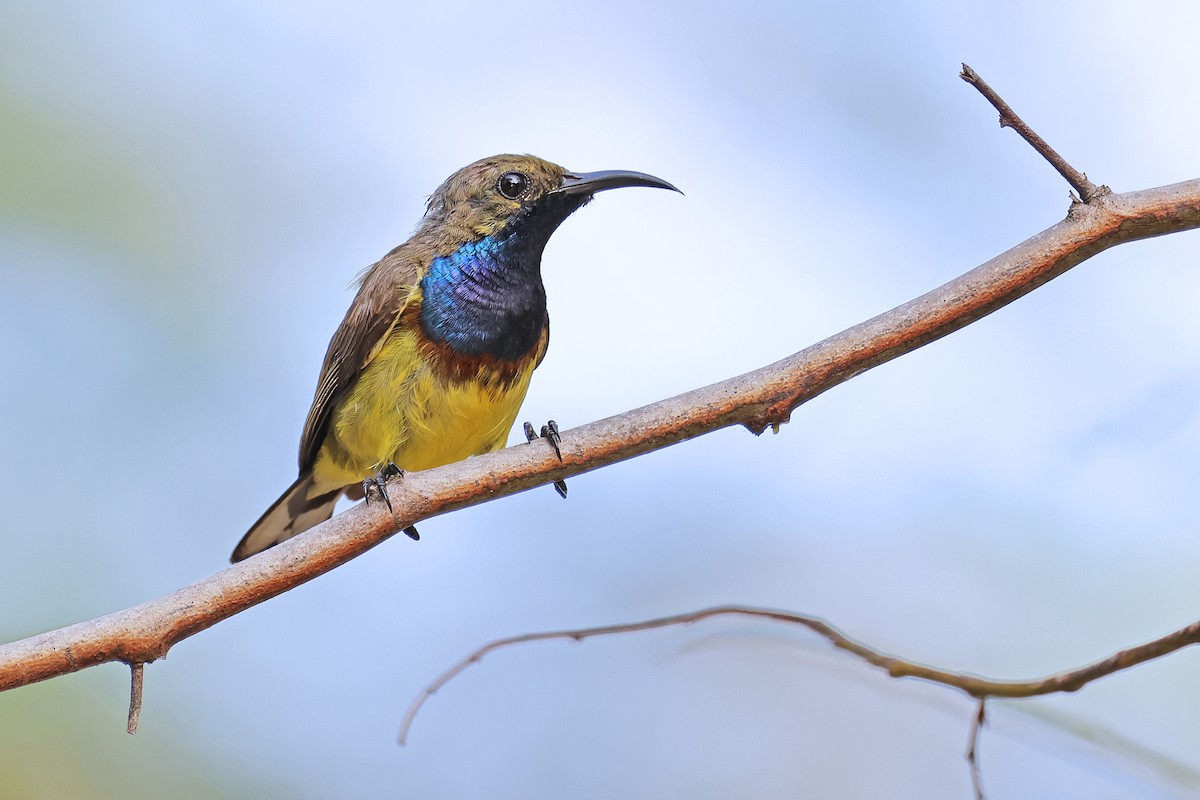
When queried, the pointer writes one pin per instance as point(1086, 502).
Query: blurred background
point(187, 191)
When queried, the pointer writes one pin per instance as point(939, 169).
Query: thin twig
point(1009, 119)
point(973, 685)
point(977, 723)
point(137, 673)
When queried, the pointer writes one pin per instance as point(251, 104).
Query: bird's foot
point(378, 483)
point(551, 434)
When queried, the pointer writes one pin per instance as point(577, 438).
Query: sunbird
point(433, 359)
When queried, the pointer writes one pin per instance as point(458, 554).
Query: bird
point(434, 356)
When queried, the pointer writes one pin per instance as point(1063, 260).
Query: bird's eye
point(512, 185)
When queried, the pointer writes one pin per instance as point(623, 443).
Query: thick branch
point(757, 400)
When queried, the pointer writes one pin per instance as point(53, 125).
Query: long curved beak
point(576, 183)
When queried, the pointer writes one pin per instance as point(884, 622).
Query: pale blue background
point(186, 192)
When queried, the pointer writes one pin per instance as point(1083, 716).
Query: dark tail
point(295, 512)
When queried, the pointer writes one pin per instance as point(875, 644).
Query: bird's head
point(485, 198)
point(481, 243)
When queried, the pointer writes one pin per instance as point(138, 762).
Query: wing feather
point(385, 290)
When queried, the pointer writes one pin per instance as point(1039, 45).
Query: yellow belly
point(401, 410)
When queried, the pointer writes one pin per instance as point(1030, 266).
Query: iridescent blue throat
point(487, 298)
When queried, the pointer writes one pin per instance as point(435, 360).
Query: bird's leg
point(549, 432)
point(378, 482)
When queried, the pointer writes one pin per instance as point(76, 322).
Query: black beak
point(576, 183)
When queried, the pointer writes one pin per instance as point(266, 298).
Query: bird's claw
point(378, 482)
point(549, 433)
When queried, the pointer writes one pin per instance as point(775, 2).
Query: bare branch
point(973, 685)
point(1009, 119)
point(758, 400)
